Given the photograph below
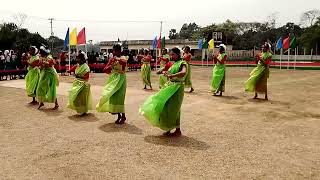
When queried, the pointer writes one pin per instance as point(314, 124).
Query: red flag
point(82, 37)
point(159, 43)
point(286, 43)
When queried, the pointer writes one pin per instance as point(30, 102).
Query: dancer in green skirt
point(219, 71)
point(80, 95)
point(163, 109)
point(114, 92)
point(32, 77)
point(187, 57)
point(258, 81)
point(49, 80)
point(146, 69)
point(163, 60)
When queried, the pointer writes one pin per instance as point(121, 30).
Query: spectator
point(2, 61)
point(63, 63)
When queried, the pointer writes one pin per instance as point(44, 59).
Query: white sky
point(174, 13)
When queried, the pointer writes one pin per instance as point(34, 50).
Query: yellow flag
point(73, 37)
point(211, 44)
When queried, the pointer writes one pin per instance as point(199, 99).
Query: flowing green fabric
point(162, 80)
point(163, 109)
point(146, 73)
point(114, 92)
point(258, 76)
point(48, 82)
point(218, 75)
point(188, 82)
point(80, 98)
point(32, 77)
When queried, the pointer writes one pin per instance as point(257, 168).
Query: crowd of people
point(163, 109)
point(10, 61)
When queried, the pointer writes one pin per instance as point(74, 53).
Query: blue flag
point(279, 43)
point(200, 42)
point(154, 43)
point(66, 39)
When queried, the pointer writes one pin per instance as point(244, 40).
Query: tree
point(229, 29)
point(20, 18)
point(311, 37)
point(308, 17)
point(187, 30)
point(13, 37)
point(272, 19)
point(173, 34)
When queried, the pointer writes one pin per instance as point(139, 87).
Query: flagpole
point(86, 49)
point(295, 58)
point(69, 57)
point(160, 46)
point(202, 57)
point(281, 51)
point(207, 57)
point(288, 58)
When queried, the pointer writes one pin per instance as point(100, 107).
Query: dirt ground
point(229, 137)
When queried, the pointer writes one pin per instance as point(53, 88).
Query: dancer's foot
point(266, 97)
point(40, 105)
point(83, 114)
point(118, 120)
point(220, 93)
point(177, 133)
point(191, 90)
point(123, 120)
point(145, 87)
point(167, 133)
point(55, 107)
point(33, 102)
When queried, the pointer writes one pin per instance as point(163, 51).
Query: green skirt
point(218, 78)
point(80, 98)
point(146, 74)
point(162, 81)
point(32, 80)
point(113, 95)
point(188, 82)
point(163, 109)
point(258, 80)
point(47, 87)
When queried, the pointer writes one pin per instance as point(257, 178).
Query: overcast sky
point(173, 13)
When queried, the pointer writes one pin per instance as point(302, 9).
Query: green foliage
point(19, 39)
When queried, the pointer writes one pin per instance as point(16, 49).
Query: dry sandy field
point(229, 137)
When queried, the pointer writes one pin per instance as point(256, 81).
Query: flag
point(154, 43)
point(66, 39)
point(211, 44)
point(73, 37)
point(163, 42)
point(286, 43)
point(279, 43)
point(293, 43)
point(205, 44)
point(200, 44)
point(81, 39)
point(159, 43)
